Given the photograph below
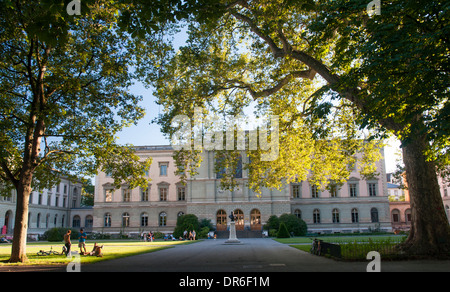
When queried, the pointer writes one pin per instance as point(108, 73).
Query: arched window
point(125, 220)
point(255, 219)
point(374, 215)
point(408, 216)
point(221, 220)
point(355, 215)
point(239, 219)
point(107, 221)
point(316, 216)
point(162, 219)
point(395, 216)
point(335, 215)
point(76, 221)
point(88, 221)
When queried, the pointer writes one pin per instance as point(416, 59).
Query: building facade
point(358, 205)
point(48, 208)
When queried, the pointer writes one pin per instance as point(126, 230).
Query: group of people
point(82, 236)
point(148, 236)
point(191, 236)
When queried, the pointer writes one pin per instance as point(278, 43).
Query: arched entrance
point(239, 219)
point(221, 220)
point(7, 226)
point(255, 219)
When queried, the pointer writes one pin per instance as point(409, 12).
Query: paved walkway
point(252, 255)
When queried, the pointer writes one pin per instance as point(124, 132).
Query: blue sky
point(147, 133)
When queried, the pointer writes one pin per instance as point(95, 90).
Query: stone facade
point(48, 208)
point(358, 205)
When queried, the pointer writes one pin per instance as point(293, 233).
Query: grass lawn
point(353, 247)
point(340, 239)
point(111, 250)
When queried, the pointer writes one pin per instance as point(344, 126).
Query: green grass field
point(340, 238)
point(112, 250)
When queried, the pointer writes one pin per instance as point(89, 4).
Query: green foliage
point(283, 231)
point(186, 222)
point(203, 233)
point(83, 68)
point(295, 225)
point(272, 223)
point(57, 234)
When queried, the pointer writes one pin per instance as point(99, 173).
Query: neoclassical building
point(48, 208)
point(358, 205)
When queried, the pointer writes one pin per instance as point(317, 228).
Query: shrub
point(186, 222)
point(283, 231)
point(57, 234)
point(203, 232)
point(272, 223)
point(294, 224)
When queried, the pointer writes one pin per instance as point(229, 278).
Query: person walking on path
point(67, 242)
point(82, 242)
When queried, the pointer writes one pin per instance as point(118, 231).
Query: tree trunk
point(430, 230)
point(19, 246)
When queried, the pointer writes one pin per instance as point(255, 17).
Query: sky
point(146, 133)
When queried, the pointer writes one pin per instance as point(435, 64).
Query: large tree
point(63, 97)
point(326, 68)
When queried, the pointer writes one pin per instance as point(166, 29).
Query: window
point(355, 215)
point(76, 221)
point(126, 193)
point(395, 216)
point(38, 223)
point(296, 191)
point(353, 190)
point(314, 191)
point(144, 219)
point(181, 213)
point(107, 222)
point(408, 215)
point(316, 216)
point(333, 191)
point(125, 220)
point(445, 193)
point(49, 199)
point(163, 193)
point(374, 215)
point(238, 172)
point(144, 194)
point(181, 193)
point(163, 168)
point(108, 195)
point(335, 215)
point(162, 219)
point(57, 200)
point(40, 199)
point(298, 213)
point(65, 189)
point(74, 201)
point(88, 221)
point(372, 189)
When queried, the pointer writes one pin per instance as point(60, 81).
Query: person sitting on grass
point(97, 251)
